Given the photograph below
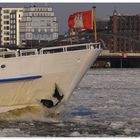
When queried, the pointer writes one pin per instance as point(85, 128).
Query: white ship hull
point(34, 79)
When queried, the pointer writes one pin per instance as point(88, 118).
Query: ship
point(46, 77)
point(43, 77)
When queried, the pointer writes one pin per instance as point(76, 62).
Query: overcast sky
point(63, 10)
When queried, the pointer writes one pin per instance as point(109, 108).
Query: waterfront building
point(15, 19)
point(125, 30)
point(9, 22)
point(38, 24)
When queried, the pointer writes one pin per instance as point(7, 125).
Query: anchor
point(49, 103)
point(57, 94)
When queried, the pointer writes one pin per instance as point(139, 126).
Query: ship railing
point(8, 54)
point(27, 52)
point(70, 48)
point(11, 53)
point(4, 49)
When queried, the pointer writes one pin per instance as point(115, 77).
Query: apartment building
point(15, 19)
point(9, 22)
point(38, 24)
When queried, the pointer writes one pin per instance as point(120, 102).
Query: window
point(54, 18)
point(6, 22)
point(13, 21)
point(42, 36)
point(6, 11)
point(6, 28)
point(48, 24)
point(55, 29)
point(51, 30)
point(11, 31)
point(55, 35)
point(6, 33)
point(6, 38)
point(28, 35)
point(12, 26)
point(42, 30)
point(30, 14)
point(6, 43)
point(49, 9)
point(35, 30)
point(28, 18)
point(52, 14)
point(55, 24)
point(13, 16)
point(28, 24)
point(36, 36)
point(42, 20)
point(6, 17)
point(13, 11)
point(29, 29)
point(46, 36)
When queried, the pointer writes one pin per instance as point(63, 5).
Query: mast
point(94, 23)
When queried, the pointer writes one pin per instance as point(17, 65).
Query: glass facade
point(38, 23)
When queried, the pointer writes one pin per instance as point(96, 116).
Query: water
point(106, 103)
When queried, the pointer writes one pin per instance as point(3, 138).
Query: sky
point(63, 10)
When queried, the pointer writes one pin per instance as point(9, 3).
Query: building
point(9, 22)
point(125, 30)
point(102, 24)
point(38, 24)
point(15, 19)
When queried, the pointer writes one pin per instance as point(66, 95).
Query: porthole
point(3, 66)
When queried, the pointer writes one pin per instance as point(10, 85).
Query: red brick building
point(125, 30)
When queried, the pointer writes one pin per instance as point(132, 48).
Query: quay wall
point(117, 60)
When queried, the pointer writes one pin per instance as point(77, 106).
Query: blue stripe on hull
point(20, 78)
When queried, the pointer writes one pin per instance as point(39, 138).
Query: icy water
point(106, 103)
